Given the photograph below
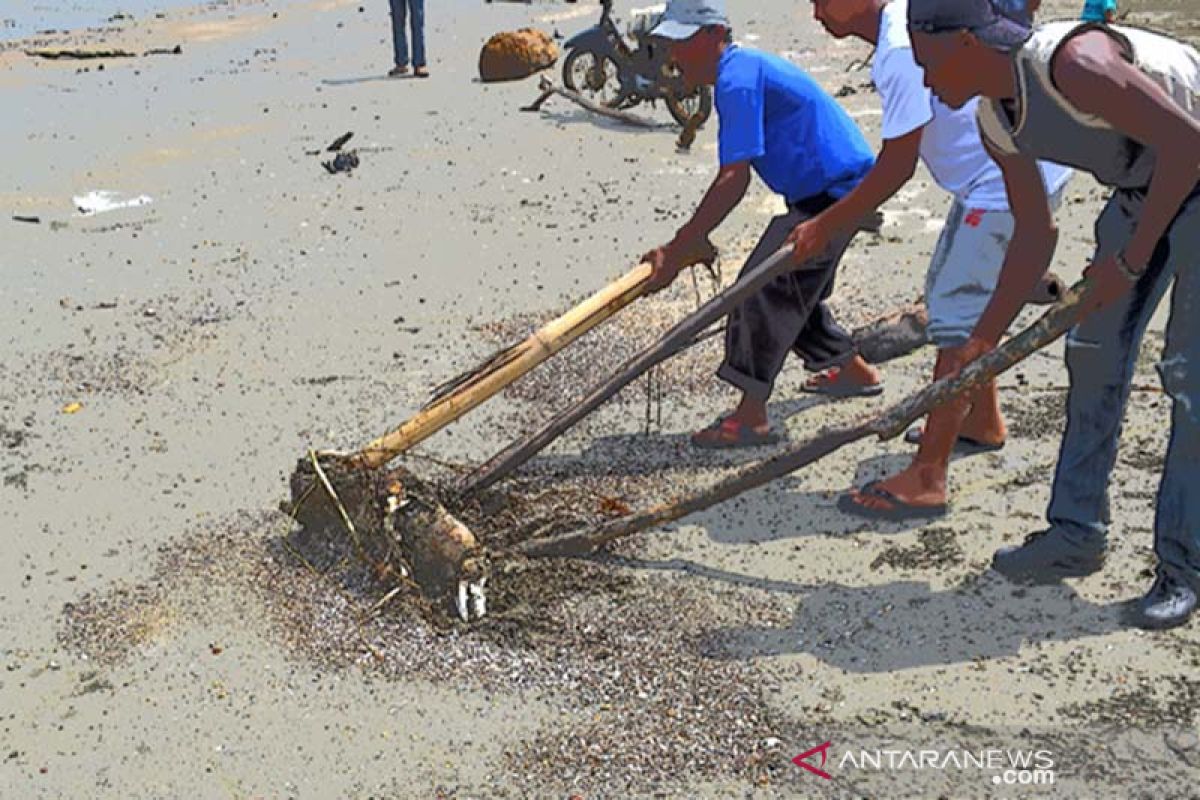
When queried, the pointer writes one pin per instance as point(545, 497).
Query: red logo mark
point(800, 761)
point(974, 217)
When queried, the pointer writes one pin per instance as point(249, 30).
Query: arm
point(691, 241)
point(893, 168)
point(1093, 73)
point(907, 109)
point(723, 195)
point(1029, 252)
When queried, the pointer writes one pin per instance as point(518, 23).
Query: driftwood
point(55, 55)
point(688, 134)
point(893, 335)
point(1053, 324)
point(339, 142)
point(900, 332)
point(548, 89)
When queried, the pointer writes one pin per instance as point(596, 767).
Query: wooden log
point(678, 338)
point(57, 55)
point(895, 334)
point(903, 330)
point(1053, 324)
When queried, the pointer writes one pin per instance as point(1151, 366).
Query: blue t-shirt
point(797, 138)
point(1096, 10)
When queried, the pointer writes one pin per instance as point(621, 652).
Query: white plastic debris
point(102, 200)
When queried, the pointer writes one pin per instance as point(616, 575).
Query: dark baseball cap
point(984, 18)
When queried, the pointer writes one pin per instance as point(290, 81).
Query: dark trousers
point(789, 313)
point(399, 42)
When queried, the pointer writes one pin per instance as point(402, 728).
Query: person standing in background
point(414, 10)
point(1099, 11)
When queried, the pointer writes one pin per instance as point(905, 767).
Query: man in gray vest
point(1124, 105)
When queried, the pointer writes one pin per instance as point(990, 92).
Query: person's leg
point(958, 290)
point(760, 332)
point(1177, 511)
point(417, 10)
point(1101, 352)
point(399, 42)
point(960, 281)
point(830, 352)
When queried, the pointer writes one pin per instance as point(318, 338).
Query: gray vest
point(1046, 126)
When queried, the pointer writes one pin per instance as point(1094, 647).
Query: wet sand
point(159, 641)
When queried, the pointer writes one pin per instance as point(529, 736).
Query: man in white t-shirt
point(969, 254)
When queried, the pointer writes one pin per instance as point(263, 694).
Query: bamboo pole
point(469, 390)
point(1050, 326)
point(501, 370)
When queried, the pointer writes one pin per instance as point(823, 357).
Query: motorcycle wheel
point(697, 104)
point(592, 75)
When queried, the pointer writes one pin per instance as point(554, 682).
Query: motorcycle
point(618, 73)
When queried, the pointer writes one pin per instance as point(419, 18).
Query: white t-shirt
point(950, 144)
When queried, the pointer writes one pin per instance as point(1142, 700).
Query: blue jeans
point(399, 43)
point(1101, 354)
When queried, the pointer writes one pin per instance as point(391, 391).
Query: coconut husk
point(512, 55)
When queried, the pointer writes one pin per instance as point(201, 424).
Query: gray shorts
point(965, 268)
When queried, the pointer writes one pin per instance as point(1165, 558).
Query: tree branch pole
point(548, 89)
point(675, 340)
point(1050, 326)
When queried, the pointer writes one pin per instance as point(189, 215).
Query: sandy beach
point(168, 362)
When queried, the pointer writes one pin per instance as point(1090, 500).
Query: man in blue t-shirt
point(777, 122)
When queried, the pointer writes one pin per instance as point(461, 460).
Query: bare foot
point(421, 72)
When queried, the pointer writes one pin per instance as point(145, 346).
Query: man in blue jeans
point(415, 10)
point(777, 122)
point(1124, 105)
